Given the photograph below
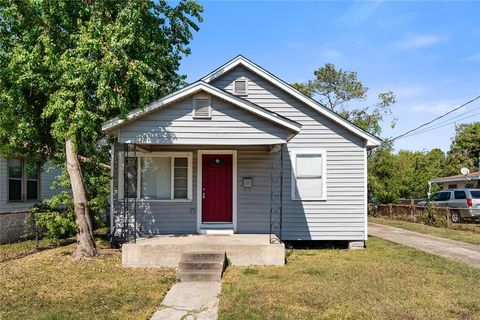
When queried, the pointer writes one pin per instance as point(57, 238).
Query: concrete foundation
point(356, 245)
point(167, 250)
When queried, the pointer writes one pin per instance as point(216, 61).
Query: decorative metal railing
point(276, 194)
point(129, 206)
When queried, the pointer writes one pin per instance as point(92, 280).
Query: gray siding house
point(22, 184)
point(239, 151)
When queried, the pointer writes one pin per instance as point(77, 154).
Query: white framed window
point(23, 180)
point(240, 87)
point(157, 176)
point(202, 106)
point(309, 181)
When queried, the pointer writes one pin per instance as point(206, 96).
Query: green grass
point(385, 281)
point(51, 285)
point(469, 236)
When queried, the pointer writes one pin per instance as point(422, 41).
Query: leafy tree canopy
point(67, 66)
point(336, 89)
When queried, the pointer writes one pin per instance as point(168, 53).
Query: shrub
point(55, 224)
point(386, 197)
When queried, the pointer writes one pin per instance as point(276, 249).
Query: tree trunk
point(86, 246)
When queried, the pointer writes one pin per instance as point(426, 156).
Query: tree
point(337, 88)
point(67, 66)
point(465, 149)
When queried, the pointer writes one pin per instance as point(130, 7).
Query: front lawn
point(385, 281)
point(472, 235)
point(50, 285)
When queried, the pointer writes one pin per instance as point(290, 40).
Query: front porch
point(240, 249)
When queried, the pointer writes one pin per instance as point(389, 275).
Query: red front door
point(217, 188)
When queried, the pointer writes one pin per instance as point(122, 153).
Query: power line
point(437, 118)
point(438, 126)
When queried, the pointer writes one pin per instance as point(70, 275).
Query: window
point(308, 175)
point(441, 196)
point(469, 186)
point(202, 107)
point(475, 194)
point(460, 195)
point(452, 186)
point(23, 180)
point(240, 87)
point(158, 176)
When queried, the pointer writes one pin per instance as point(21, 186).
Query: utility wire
point(437, 118)
point(437, 127)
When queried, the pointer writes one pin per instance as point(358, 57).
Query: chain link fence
point(20, 235)
point(428, 215)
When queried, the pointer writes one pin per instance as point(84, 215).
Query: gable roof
point(372, 141)
point(196, 87)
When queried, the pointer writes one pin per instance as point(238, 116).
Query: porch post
point(276, 193)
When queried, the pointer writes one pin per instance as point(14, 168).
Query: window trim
point(293, 157)
point(23, 182)
point(172, 155)
point(194, 104)
point(246, 87)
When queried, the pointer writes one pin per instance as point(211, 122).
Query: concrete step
point(199, 275)
point(203, 256)
point(200, 265)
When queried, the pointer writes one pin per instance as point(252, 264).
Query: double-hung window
point(23, 180)
point(309, 175)
point(157, 176)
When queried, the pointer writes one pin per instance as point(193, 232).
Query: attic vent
point(240, 87)
point(201, 107)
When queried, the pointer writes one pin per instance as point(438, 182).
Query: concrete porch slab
point(166, 250)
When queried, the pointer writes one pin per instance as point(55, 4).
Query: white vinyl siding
point(308, 175)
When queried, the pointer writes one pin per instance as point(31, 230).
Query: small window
point(23, 180)
point(460, 195)
point(469, 186)
point(202, 107)
point(240, 87)
point(308, 175)
point(452, 186)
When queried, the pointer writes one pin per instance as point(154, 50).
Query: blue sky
point(428, 52)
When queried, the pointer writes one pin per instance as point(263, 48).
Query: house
point(239, 152)
point(22, 184)
point(472, 180)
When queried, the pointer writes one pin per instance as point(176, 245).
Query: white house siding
point(253, 204)
point(46, 179)
point(342, 216)
point(229, 125)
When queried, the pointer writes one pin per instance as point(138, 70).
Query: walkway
point(189, 301)
point(447, 248)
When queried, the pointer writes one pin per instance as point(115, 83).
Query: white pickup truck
point(463, 203)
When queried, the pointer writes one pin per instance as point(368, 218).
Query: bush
point(386, 197)
point(55, 224)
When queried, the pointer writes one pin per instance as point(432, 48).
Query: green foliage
point(68, 66)
point(336, 89)
point(55, 224)
point(465, 149)
point(386, 196)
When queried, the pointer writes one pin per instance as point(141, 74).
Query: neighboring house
point(23, 183)
point(472, 180)
point(239, 151)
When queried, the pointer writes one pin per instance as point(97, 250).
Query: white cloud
point(419, 41)
point(360, 12)
point(331, 54)
point(436, 108)
point(409, 91)
point(475, 57)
